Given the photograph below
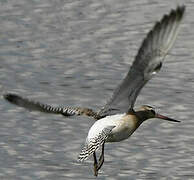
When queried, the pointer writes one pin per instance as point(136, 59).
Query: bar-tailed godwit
point(117, 120)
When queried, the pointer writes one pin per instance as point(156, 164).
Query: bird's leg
point(101, 159)
point(98, 164)
point(95, 165)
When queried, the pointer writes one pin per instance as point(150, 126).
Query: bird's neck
point(141, 116)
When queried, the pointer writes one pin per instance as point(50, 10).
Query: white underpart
point(122, 130)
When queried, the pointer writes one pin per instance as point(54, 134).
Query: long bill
point(165, 118)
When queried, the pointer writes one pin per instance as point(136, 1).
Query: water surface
point(75, 53)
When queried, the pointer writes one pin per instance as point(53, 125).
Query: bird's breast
point(125, 125)
point(124, 128)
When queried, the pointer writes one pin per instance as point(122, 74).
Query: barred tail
point(93, 144)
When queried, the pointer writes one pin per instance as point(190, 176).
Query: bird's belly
point(119, 134)
point(125, 125)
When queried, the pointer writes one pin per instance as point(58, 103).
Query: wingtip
point(181, 8)
point(179, 11)
point(10, 97)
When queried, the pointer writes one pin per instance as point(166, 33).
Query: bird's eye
point(152, 111)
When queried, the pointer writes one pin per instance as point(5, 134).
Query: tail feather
point(93, 144)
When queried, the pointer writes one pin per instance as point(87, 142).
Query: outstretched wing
point(93, 144)
point(37, 106)
point(147, 63)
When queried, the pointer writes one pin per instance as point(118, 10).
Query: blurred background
point(75, 53)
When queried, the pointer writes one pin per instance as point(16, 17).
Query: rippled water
point(75, 53)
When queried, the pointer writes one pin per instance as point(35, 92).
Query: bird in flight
point(118, 120)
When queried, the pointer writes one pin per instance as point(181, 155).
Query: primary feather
point(37, 106)
point(147, 63)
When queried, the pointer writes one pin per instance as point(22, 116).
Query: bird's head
point(148, 112)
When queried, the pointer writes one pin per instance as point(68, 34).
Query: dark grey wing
point(37, 106)
point(147, 63)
